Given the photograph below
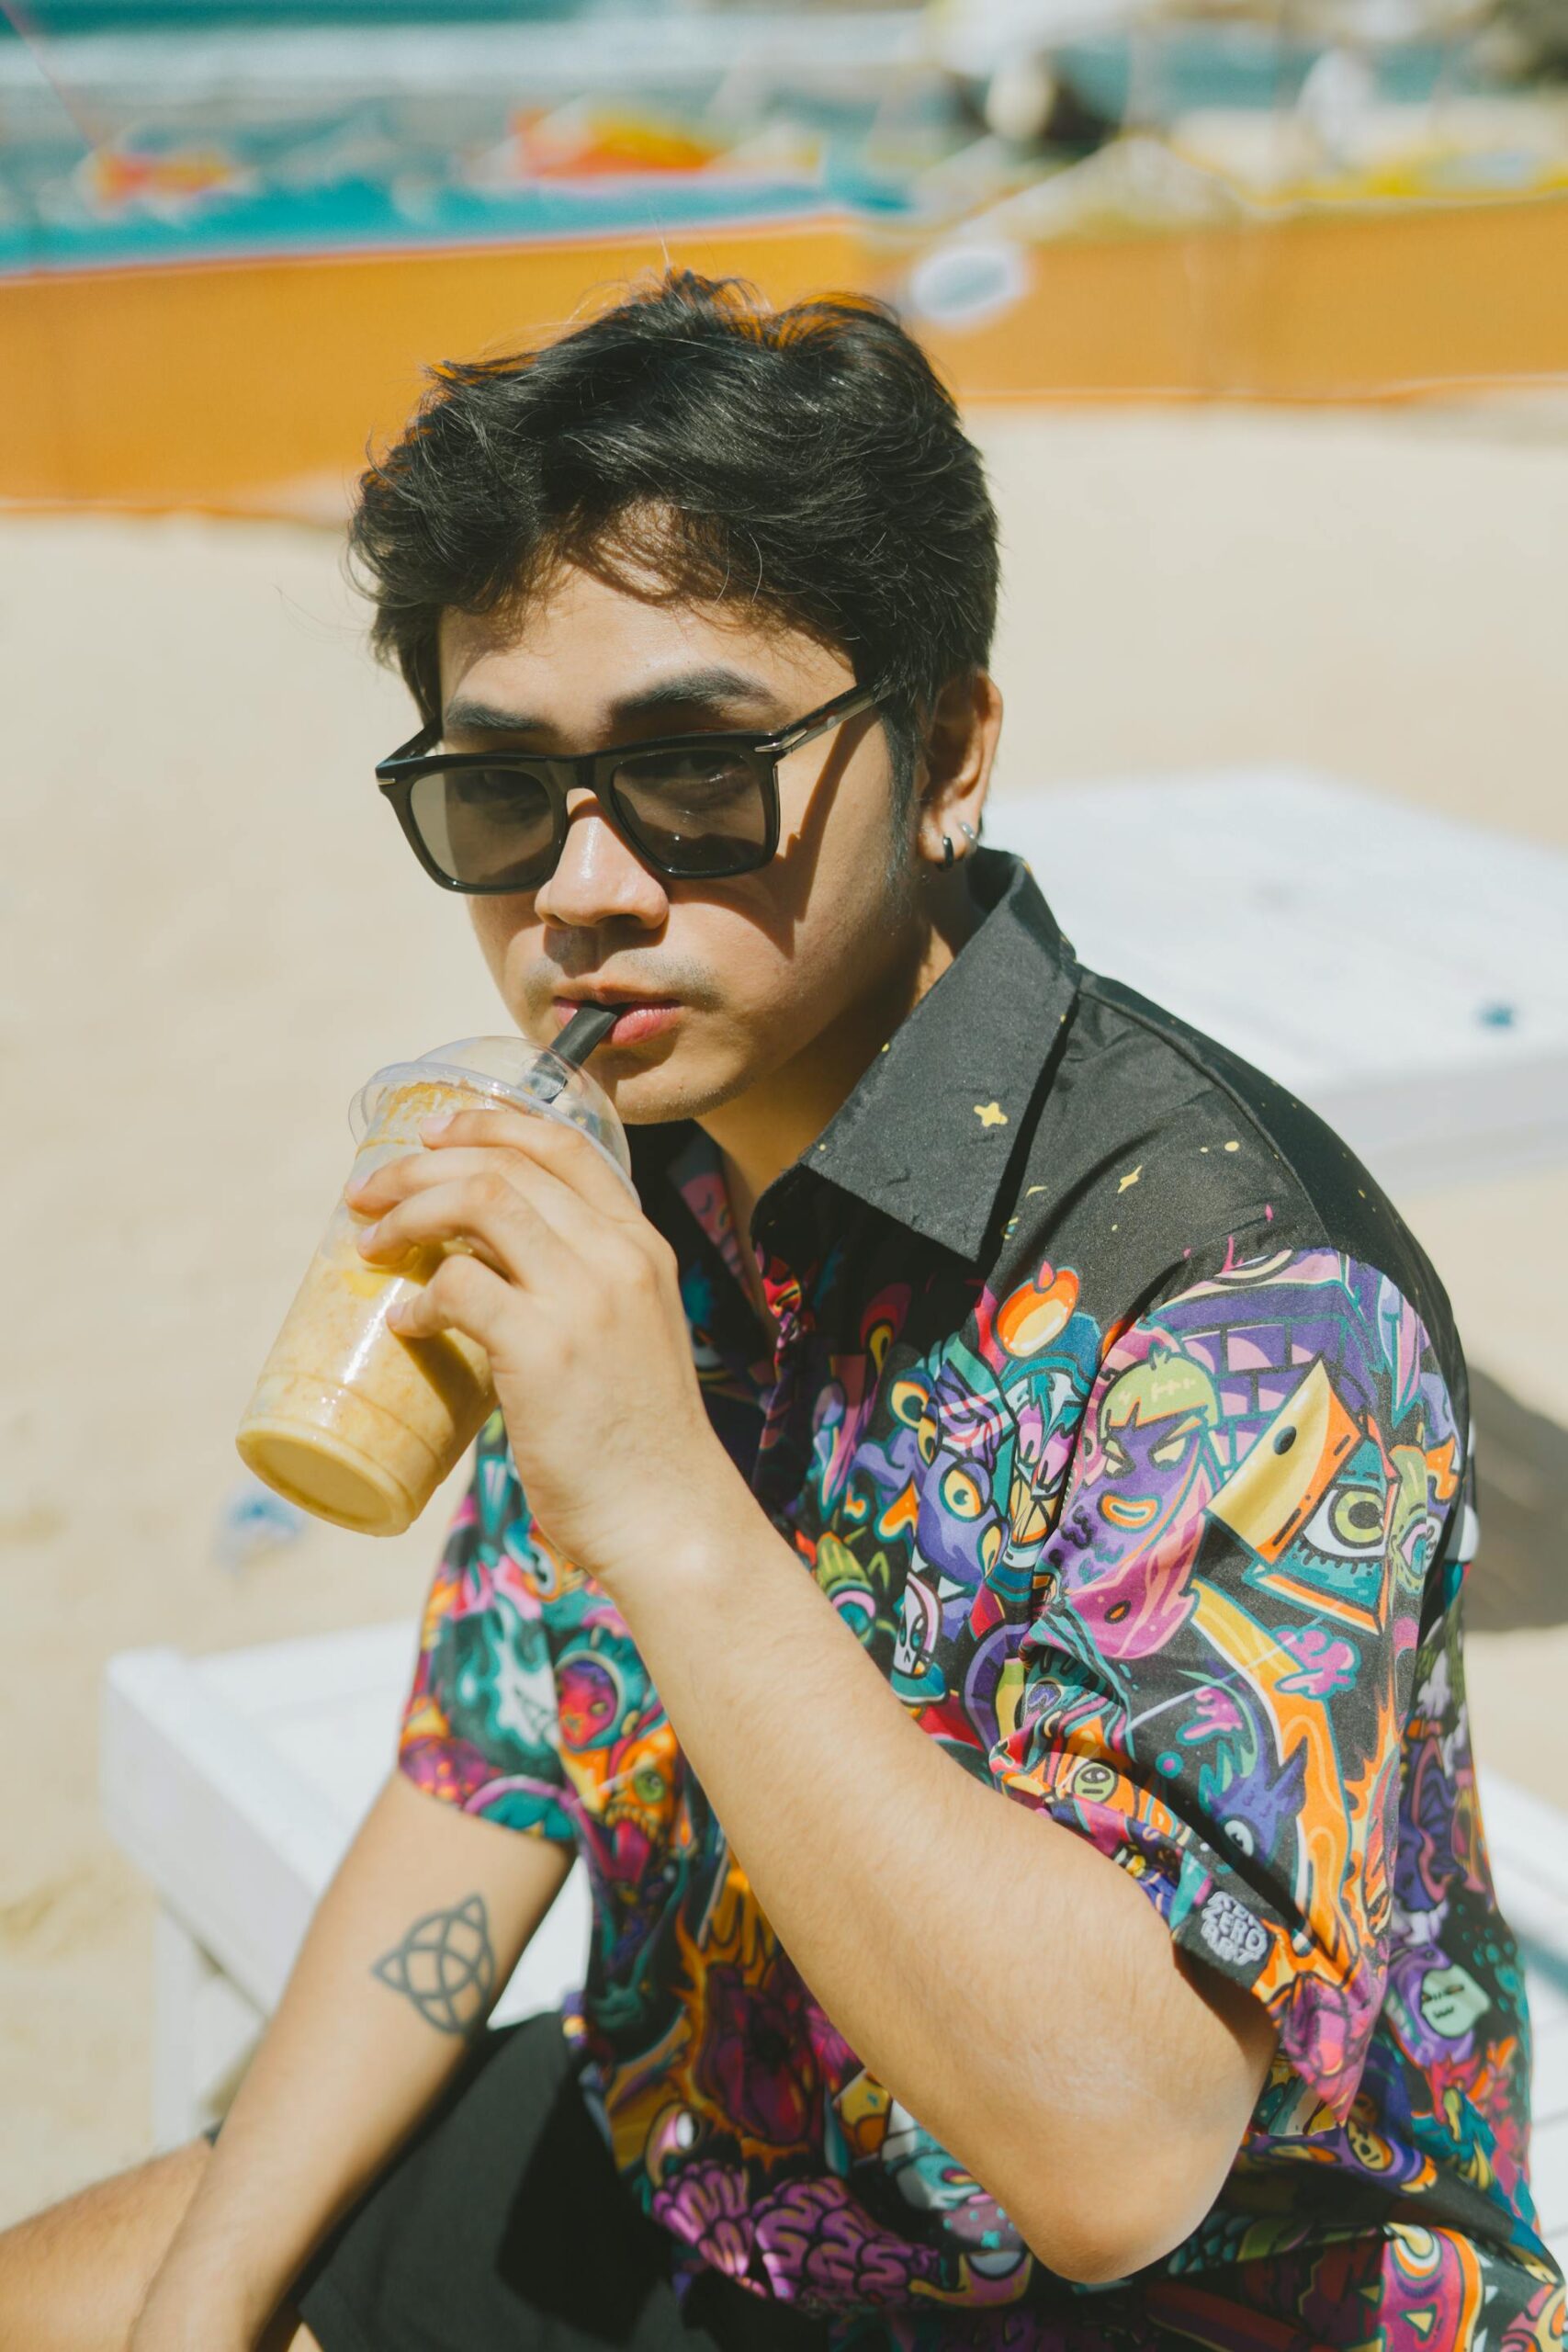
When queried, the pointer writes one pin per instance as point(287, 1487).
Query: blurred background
point(1260, 316)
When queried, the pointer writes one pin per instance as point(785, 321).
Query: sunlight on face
point(766, 968)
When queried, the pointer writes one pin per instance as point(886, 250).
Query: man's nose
point(598, 877)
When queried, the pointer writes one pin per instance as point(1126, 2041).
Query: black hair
point(806, 460)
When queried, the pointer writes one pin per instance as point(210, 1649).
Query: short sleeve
point(480, 1728)
point(1215, 1686)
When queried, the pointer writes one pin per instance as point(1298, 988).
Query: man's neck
point(762, 1132)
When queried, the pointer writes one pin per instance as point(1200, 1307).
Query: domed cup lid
point(508, 1070)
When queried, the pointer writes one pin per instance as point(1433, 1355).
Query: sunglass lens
point(694, 812)
point(487, 828)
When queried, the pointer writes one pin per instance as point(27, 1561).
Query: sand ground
point(212, 932)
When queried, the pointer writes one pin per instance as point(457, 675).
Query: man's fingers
point(402, 1181)
point(486, 1208)
point(574, 1213)
point(565, 1152)
point(462, 1295)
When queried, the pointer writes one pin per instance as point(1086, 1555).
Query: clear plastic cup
point(348, 1420)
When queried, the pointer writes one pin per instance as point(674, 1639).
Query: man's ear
point(958, 755)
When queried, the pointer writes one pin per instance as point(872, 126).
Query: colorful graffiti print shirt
point(1113, 1407)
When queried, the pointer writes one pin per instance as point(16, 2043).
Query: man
point(973, 1563)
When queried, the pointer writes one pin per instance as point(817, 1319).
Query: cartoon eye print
point(1179, 1444)
point(961, 1493)
point(1240, 1835)
point(1115, 1460)
point(1371, 2150)
point(909, 1399)
point(589, 1702)
point(920, 1621)
point(1349, 1524)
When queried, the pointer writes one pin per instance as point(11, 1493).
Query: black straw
point(585, 1030)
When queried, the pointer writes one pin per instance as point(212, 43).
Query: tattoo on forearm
point(445, 1966)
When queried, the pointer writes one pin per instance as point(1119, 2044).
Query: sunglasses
point(693, 807)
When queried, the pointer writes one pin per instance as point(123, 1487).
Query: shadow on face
point(762, 964)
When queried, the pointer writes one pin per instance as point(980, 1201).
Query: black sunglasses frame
point(594, 772)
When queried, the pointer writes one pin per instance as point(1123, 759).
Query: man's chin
point(654, 1097)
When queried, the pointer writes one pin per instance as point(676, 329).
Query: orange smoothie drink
point(348, 1420)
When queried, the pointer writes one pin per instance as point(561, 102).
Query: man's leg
point(73, 2277)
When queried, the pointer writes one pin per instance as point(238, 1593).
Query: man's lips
point(636, 1017)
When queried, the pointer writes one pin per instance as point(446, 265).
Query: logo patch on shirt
point(1230, 1931)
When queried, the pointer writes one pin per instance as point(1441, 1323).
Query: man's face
point(800, 956)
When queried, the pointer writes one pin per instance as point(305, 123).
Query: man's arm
point(367, 2032)
point(1246, 1560)
point(1104, 2073)
point(1102, 2081)
point(1006, 1982)
point(999, 1976)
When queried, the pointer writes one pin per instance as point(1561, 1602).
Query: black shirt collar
point(927, 1133)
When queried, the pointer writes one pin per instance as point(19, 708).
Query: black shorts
point(503, 2226)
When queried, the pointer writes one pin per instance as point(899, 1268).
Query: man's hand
point(575, 1299)
point(1105, 2120)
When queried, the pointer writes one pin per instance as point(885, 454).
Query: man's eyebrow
point(468, 717)
point(715, 689)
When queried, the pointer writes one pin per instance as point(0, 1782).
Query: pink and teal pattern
point(1188, 1582)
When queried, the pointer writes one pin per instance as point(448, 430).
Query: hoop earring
point(946, 852)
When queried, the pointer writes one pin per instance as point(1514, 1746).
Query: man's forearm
point(1007, 1983)
point(365, 2037)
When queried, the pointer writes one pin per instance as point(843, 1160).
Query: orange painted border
point(254, 387)
point(257, 385)
point(1374, 304)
